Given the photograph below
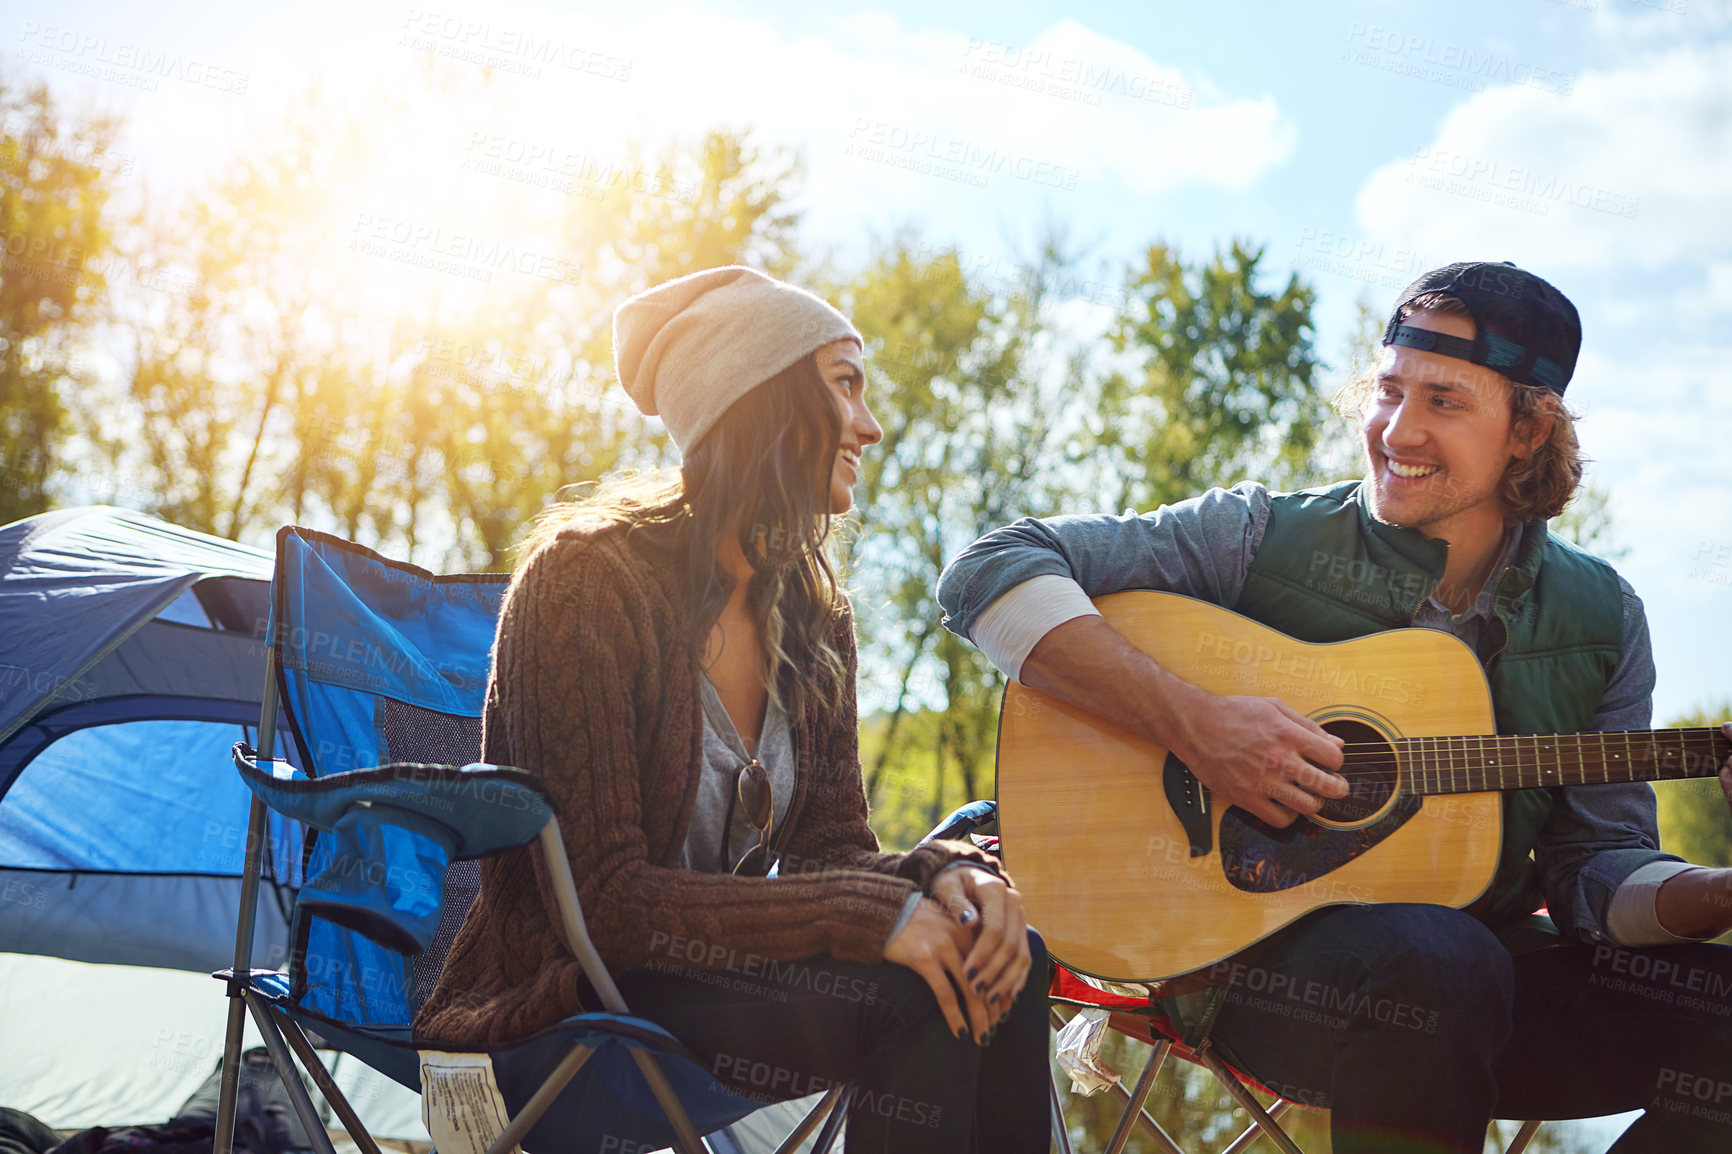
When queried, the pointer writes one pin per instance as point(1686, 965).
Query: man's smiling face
point(1438, 437)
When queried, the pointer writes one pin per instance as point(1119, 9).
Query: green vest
point(1328, 571)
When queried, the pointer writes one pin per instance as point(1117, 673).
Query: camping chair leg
point(1145, 1083)
point(577, 937)
point(541, 1099)
point(1523, 1137)
point(229, 1088)
point(833, 1124)
point(1244, 1097)
point(297, 1090)
point(228, 1093)
point(810, 1122)
point(1162, 1139)
point(327, 1085)
point(687, 1135)
point(1255, 1131)
point(1060, 1128)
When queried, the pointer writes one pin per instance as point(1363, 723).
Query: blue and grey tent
point(131, 660)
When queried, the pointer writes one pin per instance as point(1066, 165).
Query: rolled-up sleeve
point(1201, 548)
point(1598, 835)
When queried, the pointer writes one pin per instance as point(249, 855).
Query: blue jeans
point(1415, 1027)
point(774, 1030)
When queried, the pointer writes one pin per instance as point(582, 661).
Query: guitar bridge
point(1190, 801)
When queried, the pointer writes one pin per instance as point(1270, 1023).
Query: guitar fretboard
point(1431, 765)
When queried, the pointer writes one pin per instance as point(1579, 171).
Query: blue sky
point(1359, 142)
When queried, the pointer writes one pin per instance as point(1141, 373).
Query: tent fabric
point(77, 582)
point(97, 1045)
point(131, 658)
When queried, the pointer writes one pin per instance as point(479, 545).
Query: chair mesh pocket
point(412, 733)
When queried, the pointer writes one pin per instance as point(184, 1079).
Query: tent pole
point(238, 980)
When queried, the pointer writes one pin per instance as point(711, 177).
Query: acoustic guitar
point(1133, 874)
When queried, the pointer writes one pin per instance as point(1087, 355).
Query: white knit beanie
point(687, 349)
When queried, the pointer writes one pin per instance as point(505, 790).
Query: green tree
point(1587, 521)
point(719, 200)
point(1224, 384)
point(56, 174)
point(967, 397)
point(992, 410)
point(275, 390)
point(227, 373)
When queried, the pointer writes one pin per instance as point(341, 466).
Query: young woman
point(676, 661)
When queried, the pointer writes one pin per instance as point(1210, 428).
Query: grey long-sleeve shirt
point(1597, 835)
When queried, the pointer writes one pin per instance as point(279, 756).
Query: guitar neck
point(1434, 765)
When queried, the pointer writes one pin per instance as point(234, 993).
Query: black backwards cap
point(1523, 327)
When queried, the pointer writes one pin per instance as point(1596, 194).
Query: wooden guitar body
point(1131, 874)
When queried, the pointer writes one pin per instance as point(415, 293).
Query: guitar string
point(1423, 762)
point(1522, 737)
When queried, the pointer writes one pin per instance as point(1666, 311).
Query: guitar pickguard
point(1260, 859)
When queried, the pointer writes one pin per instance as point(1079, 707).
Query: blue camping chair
point(380, 669)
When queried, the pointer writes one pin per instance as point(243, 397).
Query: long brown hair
point(762, 470)
point(1538, 485)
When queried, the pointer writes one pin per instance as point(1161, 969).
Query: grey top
point(1596, 836)
point(725, 754)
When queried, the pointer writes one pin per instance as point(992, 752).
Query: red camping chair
point(1142, 1019)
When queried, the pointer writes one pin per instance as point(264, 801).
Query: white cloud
point(940, 109)
point(1634, 167)
point(1071, 105)
point(1619, 191)
point(1706, 298)
point(1648, 425)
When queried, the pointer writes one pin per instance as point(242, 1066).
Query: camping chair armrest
point(487, 807)
point(571, 919)
point(963, 820)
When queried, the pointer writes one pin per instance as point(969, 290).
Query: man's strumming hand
point(1259, 754)
point(1252, 752)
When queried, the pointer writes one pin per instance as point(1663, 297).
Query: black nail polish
point(993, 998)
point(972, 970)
point(961, 1032)
point(980, 987)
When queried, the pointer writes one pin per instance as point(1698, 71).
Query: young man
point(1469, 452)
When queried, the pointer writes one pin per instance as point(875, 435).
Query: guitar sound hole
point(1370, 769)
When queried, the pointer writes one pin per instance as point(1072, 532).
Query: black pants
point(1415, 1026)
point(776, 1031)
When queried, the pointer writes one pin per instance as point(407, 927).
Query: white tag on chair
point(460, 1102)
point(1079, 1052)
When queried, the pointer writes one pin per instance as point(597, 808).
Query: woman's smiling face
point(843, 367)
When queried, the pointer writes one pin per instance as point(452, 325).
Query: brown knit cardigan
point(595, 690)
